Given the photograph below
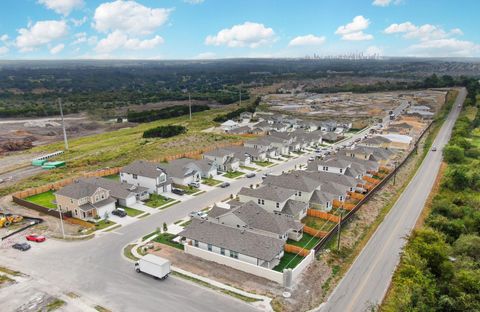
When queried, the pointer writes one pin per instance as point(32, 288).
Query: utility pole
point(339, 230)
point(190, 105)
point(63, 126)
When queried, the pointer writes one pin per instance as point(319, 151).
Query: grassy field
point(156, 200)
point(166, 238)
point(233, 174)
point(307, 241)
point(288, 261)
point(211, 181)
point(318, 224)
point(121, 147)
point(43, 199)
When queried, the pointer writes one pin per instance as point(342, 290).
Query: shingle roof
point(179, 168)
point(217, 211)
point(89, 206)
point(375, 140)
point(218, 152)
point(321, 197)
point(293, 181)
point(242, 241)
point(268, 192)
point(117, 189)
point(245, 150)
point(144, 168)
point(78, 189)
point(294, 207)
point(255, 217)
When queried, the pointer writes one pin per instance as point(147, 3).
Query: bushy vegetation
point(440, 268)
point(164, 131)
point(236, 113)
point(164, 113)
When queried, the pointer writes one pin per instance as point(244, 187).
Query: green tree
point(453, 154)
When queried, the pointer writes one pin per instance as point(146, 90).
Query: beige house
point(86, 201)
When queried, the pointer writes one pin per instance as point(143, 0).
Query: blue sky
point(196, 29)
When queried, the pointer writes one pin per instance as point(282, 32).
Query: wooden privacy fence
point(50, 212)
point(323, 215)
point(337, 204)
point(314, 232)
point(355, 195)
point(371, 180)
point(296, 250)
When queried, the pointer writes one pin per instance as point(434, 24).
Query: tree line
point(164, 113)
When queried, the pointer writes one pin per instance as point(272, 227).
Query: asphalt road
point(368, 279)
point(97, 270)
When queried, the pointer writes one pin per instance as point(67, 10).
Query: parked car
point(194, 184)
point(178, 191)
point(35, 238)
point(198, 214)
point(250, 175)
point(224, 185)
point(22, 246)
point(311, 158)
point(119, 212)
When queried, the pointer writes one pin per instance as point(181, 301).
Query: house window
point(76, 212)
point(277, 205)
point(209, 247)
point(299, 193)
point(341, 170)
point(233, 254)
point(263, 202)
point(259, 201)
point(103, 196)
point(60, 206)
point(222, 251)
point(135, 176)
point(195, 243)
point(341, 198)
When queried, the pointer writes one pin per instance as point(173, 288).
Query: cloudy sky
point(200, 29)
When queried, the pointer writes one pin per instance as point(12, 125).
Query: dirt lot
point(323, 275)
point(218, 272)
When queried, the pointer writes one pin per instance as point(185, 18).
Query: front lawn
point(307, 241)
point(248, 168)
point(131, 212)
point(264, 163)
point(102, 224)
point(211, 181)
point(288, 261)
point(166, 238)
point(156, 200)
point(45, 199)
point(233, 174)
point(188, 189)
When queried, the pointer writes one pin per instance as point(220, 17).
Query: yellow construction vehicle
point(7, 219)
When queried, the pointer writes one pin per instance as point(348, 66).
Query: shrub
point(453, 154)
point(164, 131)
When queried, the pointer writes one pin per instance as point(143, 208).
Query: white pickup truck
point(153, 265)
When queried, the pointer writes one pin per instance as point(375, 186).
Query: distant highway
point(368, 279)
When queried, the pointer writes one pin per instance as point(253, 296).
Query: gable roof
point(117, 189)
point(375, 140)
point(218, 152)
point(294, 207)
point(144, 168)
point(239, 240)
point(268, 192)
point(293, 181)
point(78, 189)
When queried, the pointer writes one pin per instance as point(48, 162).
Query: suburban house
point(240, 154)
point(84, 200)
point(182, 171)
point(262, 145)
point(206, 167)
point(275, 199)
point(218, 242)
point(147, 174)
point(246, 116)
point(399, 141)
point(281, 145)
point(375, 141)
point(381, 155)
point(241, 130)
point(336, 184)
point(251, 216)
point(224, 159)
point(252, 153)
point(303, 186)
point(125, 194)
point(229, 125)
point(331, 137)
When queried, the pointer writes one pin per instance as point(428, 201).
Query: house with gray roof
point(375, 141)
point(125, 194)
point(224, 159)
point(251, 216)
point(182, 171)
point(274, 199)
point(263, 145)
point(303, 185)
point(84, 200)
point(252, 153)
point(381, 155)
point(221, 241)
point(147, 174)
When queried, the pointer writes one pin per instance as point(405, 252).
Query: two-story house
point(147, 174)
point(84, 200)
point(225, 159)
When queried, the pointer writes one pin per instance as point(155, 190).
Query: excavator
point(6, 219)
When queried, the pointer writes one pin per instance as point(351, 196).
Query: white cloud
point(385, 3)
point(307, 40)
point(39, 34)
point(118, 40)
point(248, 34)
point(129, 17)
point(57, 49)
point(205, 56)
point(79, 22)
point(433, 40)
point(64, 7)
point(353, 31)
point(193, 1)
point(3, 50)
point(80, 38)
point(4, 38)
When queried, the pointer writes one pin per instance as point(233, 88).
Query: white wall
point(235, 263)
point(298, 270)
point(150, 183)
point(107, 208)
